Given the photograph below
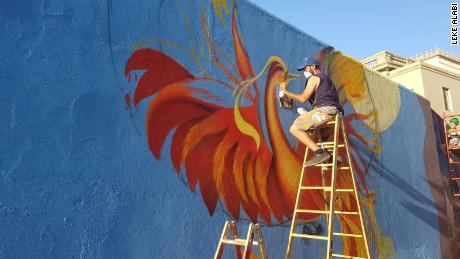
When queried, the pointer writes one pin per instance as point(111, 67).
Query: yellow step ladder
point(330, 212)
point(253, 238)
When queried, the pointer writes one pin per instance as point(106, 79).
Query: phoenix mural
point(223, 150)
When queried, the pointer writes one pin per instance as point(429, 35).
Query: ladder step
point(331, 143)
point(457, 194)
point(347, 212)
point(309, 236)
point(344, 190)
point(330, 165)
point(330, 146)
point(238, 242)
point(348, 256)
point(347, 235)
point(312, 211)
point(325, 188)
point(327, 212)
point(325, 165)
point(455, 178)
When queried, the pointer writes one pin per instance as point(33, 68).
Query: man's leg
point(298, 128)
point(303, 137)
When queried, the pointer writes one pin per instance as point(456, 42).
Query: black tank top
point(325, 94)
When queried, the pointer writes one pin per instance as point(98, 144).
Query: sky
point(363, 28)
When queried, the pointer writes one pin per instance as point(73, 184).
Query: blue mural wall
point(84, 175)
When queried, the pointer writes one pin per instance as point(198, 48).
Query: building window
point(447, 100)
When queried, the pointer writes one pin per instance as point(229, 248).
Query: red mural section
point(239, 170)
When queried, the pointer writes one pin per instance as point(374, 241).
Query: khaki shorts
point(315, 118)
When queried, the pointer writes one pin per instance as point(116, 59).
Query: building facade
point(434, 75)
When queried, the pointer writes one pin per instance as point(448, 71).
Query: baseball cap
point(307, 62)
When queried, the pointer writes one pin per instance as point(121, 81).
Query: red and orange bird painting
point(223, 150)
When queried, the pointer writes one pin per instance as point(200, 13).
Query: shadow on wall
point(426, 209)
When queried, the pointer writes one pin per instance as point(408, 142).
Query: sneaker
point(318, 157)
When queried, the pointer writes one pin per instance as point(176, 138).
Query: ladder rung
point(321, 165)
point(238, 242)
point(455, 178)
point(309, 236)
point(329, 144)
point(330, 165)
point(457, 194)
point(326, 188)
point(347, 235)
point(346, 212)
point(326, 143)
point(344, 190)
point(313, 211)
point(348, 256)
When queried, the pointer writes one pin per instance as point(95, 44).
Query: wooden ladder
point(330, 212)
point(253, 238)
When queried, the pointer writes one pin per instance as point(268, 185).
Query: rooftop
point(385, 61)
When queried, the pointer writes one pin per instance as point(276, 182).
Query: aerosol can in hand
point(285, 102)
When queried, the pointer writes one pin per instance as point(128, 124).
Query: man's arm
point(309, 90)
